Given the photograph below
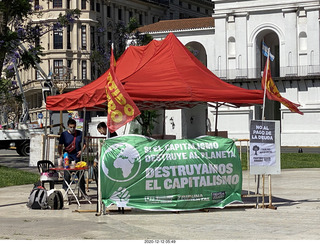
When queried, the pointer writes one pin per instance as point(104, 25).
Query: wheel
point(23, 149)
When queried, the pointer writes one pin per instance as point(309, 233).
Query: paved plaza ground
point(295, 195)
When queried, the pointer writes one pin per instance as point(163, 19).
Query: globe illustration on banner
point(121, 162)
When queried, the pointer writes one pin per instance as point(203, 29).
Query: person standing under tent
point(102, 128)
point(67, 138)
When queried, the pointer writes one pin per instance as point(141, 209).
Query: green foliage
point(13, 177)
point(30, 57)
point(146, 119)
point(124, 35)
point(129, 35)
point(68, 17)
point(300, 160)
point(98, 58)
point(244, 164)
point(20, 45)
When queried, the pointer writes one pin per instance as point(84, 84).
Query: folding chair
point(47, 175)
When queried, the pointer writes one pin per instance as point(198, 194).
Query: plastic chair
point(47, 175)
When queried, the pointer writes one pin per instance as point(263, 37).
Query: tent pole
point(99, 201)
point(44, 151)
point(164, 123)
point(216, 124)
point(83, 131)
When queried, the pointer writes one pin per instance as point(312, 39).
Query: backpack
point(38, 198)
point(55, 200)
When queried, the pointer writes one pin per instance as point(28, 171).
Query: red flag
point(121, 108)
point(273, 92)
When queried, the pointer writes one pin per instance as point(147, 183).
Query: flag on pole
point(121, 108)
point(273, 92)
point(265, 51)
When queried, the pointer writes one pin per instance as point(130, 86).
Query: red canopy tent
point(162, 74)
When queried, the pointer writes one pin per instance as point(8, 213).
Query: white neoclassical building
point(231, 48)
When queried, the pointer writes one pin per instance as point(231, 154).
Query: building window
point(37, 38)
point(99, 41)
point(57, 37)
point(92, 37)
point(84, 70)
point(290, 59)
point(57, 3)
point(312, 58)
point(98, 7)
point(58, 68)
point(108, 11)
point(303, 41)
point(68, 37)
point(83, 37)
point(232, 46)
point(38, 75)
point(69, 65)
point(68, 4)
point(119, 14)
point(93, 71)
point(92, 5)
point(83, 4)
point(239, 62)
point(140, 19)
point(36, 5)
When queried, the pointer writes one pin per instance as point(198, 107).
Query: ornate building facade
point(68, 50)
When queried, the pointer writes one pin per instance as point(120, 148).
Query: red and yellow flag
point(273, 92)
point(121, 108)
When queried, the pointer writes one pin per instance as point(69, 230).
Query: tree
point(19, 42)
point(124, 35)
point(129, 35)
point(146, 119)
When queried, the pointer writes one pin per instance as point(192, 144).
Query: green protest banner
point(187, 174)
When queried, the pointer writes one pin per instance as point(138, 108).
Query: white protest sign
point(265, 147)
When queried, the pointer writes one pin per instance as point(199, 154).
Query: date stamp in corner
point(151, 241)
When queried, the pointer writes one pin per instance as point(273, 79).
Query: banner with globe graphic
point(187, 174)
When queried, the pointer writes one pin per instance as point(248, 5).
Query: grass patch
point(292, 160)
point(300, 160)
point(14, 177)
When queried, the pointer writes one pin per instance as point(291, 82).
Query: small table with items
point(73, 173)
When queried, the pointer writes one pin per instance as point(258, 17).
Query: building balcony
point(289, 71)
point(33, 86)
point(163, 2)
